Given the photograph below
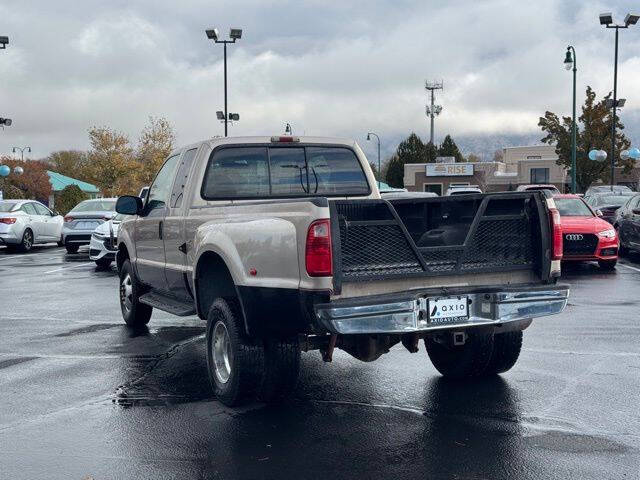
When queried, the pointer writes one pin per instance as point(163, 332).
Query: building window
point(539, 175)
point(433, 187)
point(534, 157)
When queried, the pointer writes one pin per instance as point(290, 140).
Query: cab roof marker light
point(285, 139)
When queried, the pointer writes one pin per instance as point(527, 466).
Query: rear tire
point(27, 241)
point(506, 350)
point(607, 264)
point(461, 361)
point(134, 313)
point(282, 366)
point(72, 248)
point(235, 364)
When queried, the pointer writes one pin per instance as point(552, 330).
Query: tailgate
point(457, 237)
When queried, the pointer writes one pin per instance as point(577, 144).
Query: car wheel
point(235, 363)
point(72, 248)
point(134, 312)
point(607, 264)
point(461, 361)
point(281, 369)
point(506, 350)
point(27, 241)
point(104, 263)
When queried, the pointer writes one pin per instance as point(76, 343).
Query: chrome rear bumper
point(408, 313)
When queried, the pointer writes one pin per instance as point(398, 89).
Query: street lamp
point(234, 34)
point(4, 41)
point(379, 169)
point(569, 62)
point(606, 19)
point(287, 129)
point(22, 149)
point(5, 122)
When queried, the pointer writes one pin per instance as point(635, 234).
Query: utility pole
point(433, 110)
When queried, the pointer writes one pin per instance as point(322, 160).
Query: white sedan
point(104, 241)
point(23, 223)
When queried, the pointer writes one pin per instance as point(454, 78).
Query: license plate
point(448, 310)
point(87, 225)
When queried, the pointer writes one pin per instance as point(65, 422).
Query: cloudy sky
point(328, 67)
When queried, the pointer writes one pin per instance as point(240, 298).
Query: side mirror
point(129, 205)
point(599, 212)
point(55, 213)
point(143, 193)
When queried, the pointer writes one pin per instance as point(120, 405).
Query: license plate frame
point(448, 310)
point(87, 225)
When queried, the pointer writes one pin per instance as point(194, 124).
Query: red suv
point(586, 237)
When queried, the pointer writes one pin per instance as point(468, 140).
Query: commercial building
point(520, 166)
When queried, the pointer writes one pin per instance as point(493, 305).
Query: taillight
point(318, 249)
point(68, 219)
point(8, 220)
point(556, 234)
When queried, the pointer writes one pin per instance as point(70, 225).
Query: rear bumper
point(407, 313)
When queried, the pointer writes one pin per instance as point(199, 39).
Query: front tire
point(235, 364)
point(461, 361)
point(505, 353)
point(103, 263)
point(134, 313)
point(607, 265)
point(27, 241)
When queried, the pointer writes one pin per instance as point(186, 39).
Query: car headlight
point(98, 236)
point(611, 233)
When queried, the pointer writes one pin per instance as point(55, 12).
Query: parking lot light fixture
point(234, 34)
point(606, 19)
point(22, 150)
point(570, 64)
point(379, 169)
point(4, 41)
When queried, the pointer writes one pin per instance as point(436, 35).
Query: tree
point(374, 169)
point(448, 148)
point(431, 152)
point(111, 162)
point(498, 156)
point(596, 119)
point(69, 197)
point(473, 158)
point(411, 150)
point(154, 146)
point(72, 163)
point(395, 172)
point(33, 183)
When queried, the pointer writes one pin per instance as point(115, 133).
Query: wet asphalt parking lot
point(83, 396)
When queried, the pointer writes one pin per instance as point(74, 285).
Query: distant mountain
point(485, 145)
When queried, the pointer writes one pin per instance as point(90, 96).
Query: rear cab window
point(283, 172)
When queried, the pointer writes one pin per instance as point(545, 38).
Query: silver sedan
point(24, 223)
point(83, 219)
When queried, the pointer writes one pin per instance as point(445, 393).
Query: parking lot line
point(68, 268)
point(629, 266)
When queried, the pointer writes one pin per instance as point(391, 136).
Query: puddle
point(15, 361)
point(89, 329)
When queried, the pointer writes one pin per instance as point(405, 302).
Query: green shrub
point(69, 197)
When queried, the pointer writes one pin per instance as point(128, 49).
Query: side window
point(28, 207)
point(288, 172)
point(181, 177)
point(42, 210)
point(161, 188)
point(335, 171)
point(241, 172)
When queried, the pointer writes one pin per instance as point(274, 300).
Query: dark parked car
point(627, 222)
point(608, 203)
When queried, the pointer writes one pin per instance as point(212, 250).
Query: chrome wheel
point(126, 292)
point(27, 240)
point(221, 352)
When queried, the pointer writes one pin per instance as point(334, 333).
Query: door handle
point(160, 230)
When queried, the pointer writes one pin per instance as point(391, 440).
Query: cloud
point(328, 68)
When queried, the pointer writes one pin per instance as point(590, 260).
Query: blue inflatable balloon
point(4, 170)
point(634, 153)
point(593, 154)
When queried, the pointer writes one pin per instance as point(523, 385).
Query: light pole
point(234, 34)
point(570, 61)
point(606, 19)
point(379, 168)
point(22, 149)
